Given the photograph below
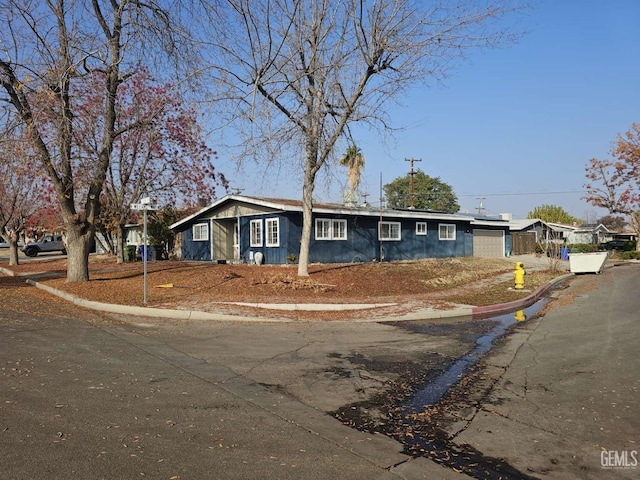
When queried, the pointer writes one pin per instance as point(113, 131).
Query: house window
point(446, 231)
point(256, 233)
point(329, 229)
point(388, 231)
point(200, 232)
point(421, 228)
point(273, 232)
point(339, 228)
point(323, 229)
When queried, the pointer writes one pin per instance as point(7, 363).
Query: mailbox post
point(144, 205)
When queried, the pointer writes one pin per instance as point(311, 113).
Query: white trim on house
point(255, 233)
point(450, 232)
point(330, 229)
point(328, 209)
point(200, 232)
point(272, 232)
point(389, 231)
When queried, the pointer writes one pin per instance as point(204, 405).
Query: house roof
point(561, 227)
point(289, 205)
point(523, 223)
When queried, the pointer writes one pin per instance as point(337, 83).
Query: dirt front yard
point(435, 283)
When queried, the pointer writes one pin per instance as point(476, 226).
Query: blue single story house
point(236, 227)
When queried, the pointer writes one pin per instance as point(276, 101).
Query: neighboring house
point(133, 236)
point(235, 228)
point(134, 233)
point(590, 234)
point(530, 231)
point(558, 232)
point(525, 235)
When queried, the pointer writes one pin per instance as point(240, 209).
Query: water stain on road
point(409, 410)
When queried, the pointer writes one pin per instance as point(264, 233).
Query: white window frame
point(390, 238)
point(338, 229)
point(450, 229)
point(331, 229)
point(255, 229)
point(421, 228)
point(200, 234)
point(270, 240)
point(323, 229)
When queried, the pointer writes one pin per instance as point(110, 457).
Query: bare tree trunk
point(79, 237)
point(307, 220)
point(13, 253)
point(105, 248)
point(121, 243)
point(635, 225)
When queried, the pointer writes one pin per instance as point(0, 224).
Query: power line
point(518, 193)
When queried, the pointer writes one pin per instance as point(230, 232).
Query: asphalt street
point(91, 395)
point(565, 399)
point(86, 398)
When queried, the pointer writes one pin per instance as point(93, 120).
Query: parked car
point(618, 245)
point(49, 243)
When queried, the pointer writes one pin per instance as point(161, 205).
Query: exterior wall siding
point(271, 254)
point(195, 250)
point(361, 245)
point(414, 247)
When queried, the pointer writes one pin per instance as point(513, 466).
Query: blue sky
point(514, 125)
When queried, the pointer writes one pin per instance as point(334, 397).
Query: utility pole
point(480, 205)
point(411, 174)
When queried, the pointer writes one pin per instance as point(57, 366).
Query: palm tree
point(354, 161)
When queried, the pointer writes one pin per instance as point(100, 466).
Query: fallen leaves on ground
point(438, 283)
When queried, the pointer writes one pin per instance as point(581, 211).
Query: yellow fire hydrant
point(519, 274)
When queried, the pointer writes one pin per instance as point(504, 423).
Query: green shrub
point(585, 248)
point(633, 255)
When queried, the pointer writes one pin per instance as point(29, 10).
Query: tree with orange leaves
point(614, 183)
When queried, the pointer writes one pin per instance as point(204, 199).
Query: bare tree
point(22, 190)
point(47, 50)
point(299, 73)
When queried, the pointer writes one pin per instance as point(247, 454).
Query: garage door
point(488, 243)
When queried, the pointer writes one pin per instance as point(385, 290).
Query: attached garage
point(488, 243)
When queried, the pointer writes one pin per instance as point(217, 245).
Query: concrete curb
point(7, 272)
point(518, 304)
point(311, 307)
point(147, 311)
